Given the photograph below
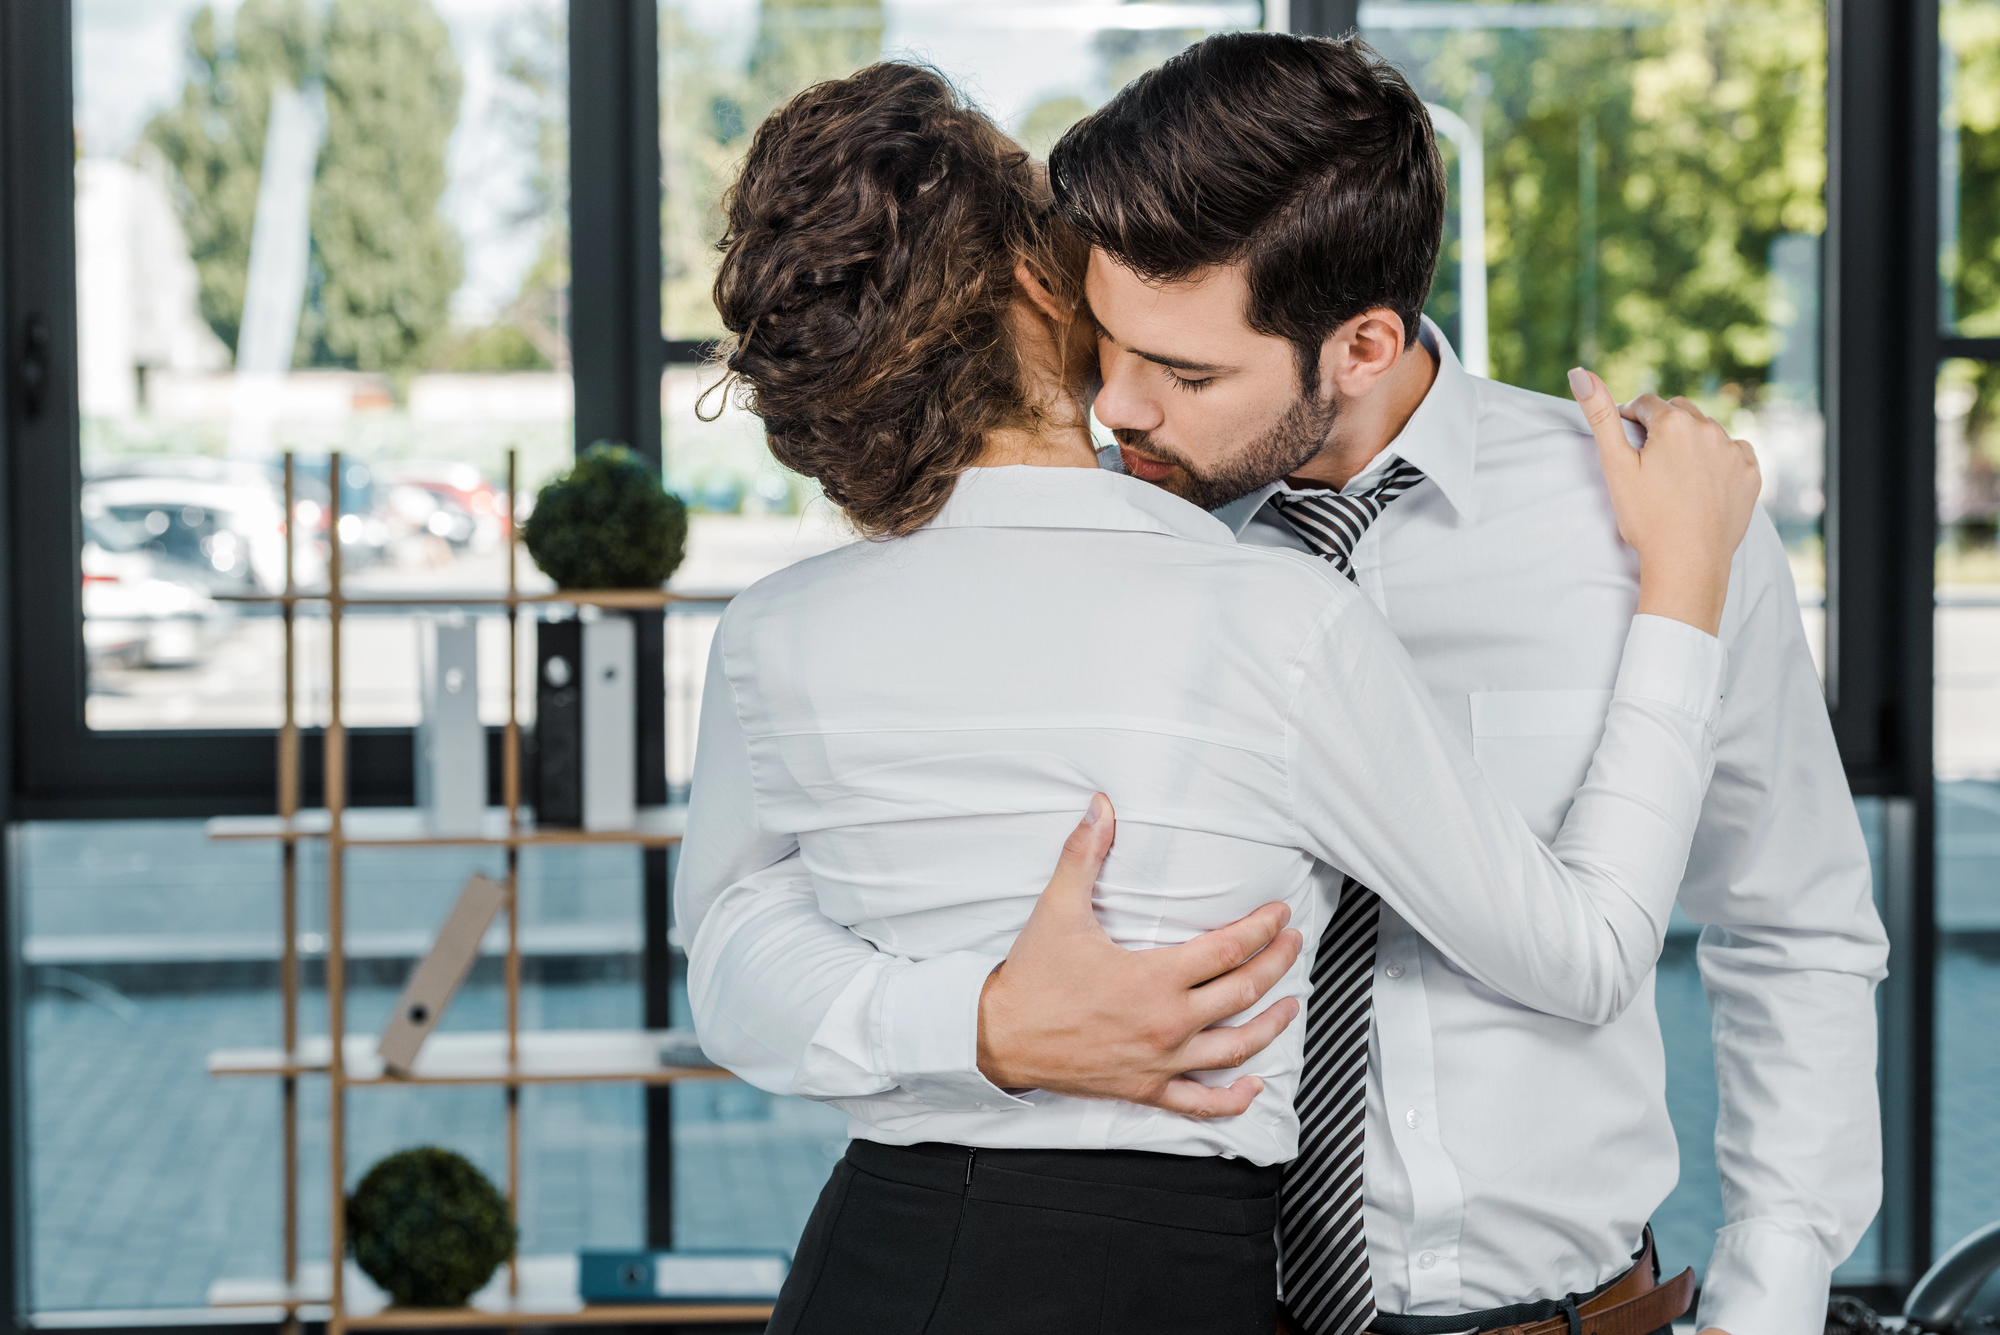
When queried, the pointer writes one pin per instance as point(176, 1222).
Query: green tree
point(709, 112)
point(1971, 39)
point(384, 262)
point(530, 112)
point(388, 262)
point(1123, 54)
point(534, 107)
point(1971, 264)
point(1636, 178)
point(803, 42)
point(1048, 120)
point(214, 138)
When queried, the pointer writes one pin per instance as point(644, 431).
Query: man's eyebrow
point(1163, 359)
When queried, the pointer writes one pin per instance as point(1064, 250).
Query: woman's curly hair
point(867, 274)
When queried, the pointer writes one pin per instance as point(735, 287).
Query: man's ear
point(1045, 300)
point(1357, 355)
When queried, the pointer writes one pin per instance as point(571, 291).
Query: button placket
point(1408, 1087)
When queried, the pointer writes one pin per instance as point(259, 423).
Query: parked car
point(141, 607)
point(215, 523)
point(453, 502)
point(364, 534)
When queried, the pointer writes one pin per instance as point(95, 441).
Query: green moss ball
point(607, 523)
point(428, 1228)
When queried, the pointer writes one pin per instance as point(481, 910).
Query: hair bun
point(866, 277)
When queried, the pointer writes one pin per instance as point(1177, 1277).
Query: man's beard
point(1291, 442)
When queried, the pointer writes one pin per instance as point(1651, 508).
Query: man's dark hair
point(1310, 162)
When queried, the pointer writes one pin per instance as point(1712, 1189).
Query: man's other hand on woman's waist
point(1073, 1012)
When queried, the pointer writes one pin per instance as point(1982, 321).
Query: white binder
point(610, 725)
point(451, 744)
point(435, 980)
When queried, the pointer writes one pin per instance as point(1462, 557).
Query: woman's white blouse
point(925, 719)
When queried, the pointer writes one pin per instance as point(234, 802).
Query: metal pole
point(511, 794)
point(336, 942)
point(1466, 138)
point(288, 967)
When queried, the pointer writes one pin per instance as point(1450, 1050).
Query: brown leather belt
point(1633, 1304)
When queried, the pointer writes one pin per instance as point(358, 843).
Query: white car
point(133, 615)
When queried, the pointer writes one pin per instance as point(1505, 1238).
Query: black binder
point(559, 722)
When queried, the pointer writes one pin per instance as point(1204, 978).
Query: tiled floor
point(150, 1178)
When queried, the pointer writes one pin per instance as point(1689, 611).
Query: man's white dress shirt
point(1514, 1150)
point(1506, 581)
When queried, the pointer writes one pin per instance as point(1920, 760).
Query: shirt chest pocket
point(1536, 747)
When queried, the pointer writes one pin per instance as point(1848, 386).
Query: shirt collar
point(1442, 435)
point(1441, 438)
point(1022, 496)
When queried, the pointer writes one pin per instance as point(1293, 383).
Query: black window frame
point(1882, 343)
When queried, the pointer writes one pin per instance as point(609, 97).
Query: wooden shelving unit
point(392, 827)
point(534, 1291)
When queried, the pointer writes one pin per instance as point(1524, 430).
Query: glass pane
point(310, 228)
point(1969, 167)
point(1968, 997)
point(147, 945)
point(1968, 770)
point(1644, 189)
point(748, 1166)
point(1035, 67)
point(1640, 188)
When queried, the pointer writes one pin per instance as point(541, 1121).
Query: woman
point(905, 324)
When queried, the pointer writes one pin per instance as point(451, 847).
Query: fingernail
point(1095, 812)
point(1260, 1085)
point(1579, 382)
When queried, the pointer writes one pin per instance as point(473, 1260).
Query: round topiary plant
point(607, 524)
point(428, 1228)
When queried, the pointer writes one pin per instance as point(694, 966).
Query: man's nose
point(1122, 405)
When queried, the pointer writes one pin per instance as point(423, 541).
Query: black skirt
point(941, 1239)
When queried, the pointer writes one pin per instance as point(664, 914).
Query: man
point(1266, 213)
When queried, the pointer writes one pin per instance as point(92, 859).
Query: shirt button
point(1395, 969)
point(1427, 1260)
point(1414, 1118)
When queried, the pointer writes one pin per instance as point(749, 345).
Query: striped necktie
point(1322, 1245)
point(1331, 522)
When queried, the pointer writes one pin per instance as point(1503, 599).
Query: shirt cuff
point(1766, 1279)
point(1673, 663)
point(926, 1028)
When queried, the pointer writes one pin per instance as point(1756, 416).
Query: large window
point(1640, 189)
point(1968, 618)
point(315, 228)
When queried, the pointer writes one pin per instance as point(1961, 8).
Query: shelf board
point(548, 1297)
point(409, 827)
point(626, 598)
point(547, 1056)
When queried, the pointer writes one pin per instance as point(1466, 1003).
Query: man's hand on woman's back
point(1074, 1013)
